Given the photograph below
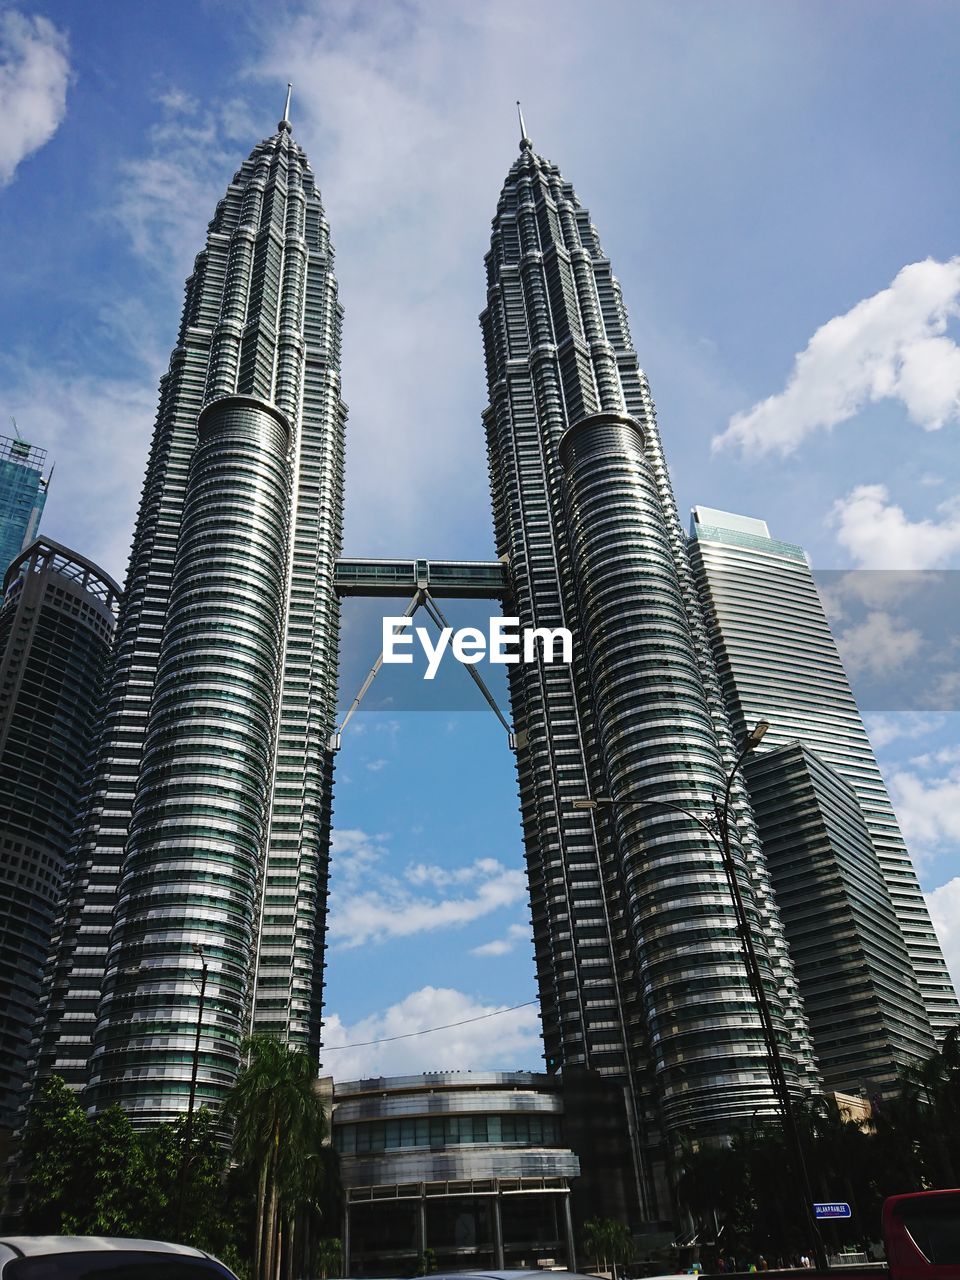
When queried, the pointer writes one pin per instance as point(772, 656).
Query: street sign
point(833, 1209)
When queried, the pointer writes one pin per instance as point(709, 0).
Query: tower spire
point(285, 122)
point(525, 142)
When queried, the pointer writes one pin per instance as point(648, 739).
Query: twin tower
point(207, 822)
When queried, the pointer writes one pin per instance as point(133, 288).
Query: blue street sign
point(835, 1209)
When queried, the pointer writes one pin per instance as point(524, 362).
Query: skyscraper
point(777, 657)
point(208, 821)
point(861, 996)
point(639, 965)
point(23, 491)
point(56, 624)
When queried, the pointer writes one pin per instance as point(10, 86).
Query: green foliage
point(426, 1263)
point(329, 1258)
point(912, 1143)
point(607, 1241)
point(57, 1152)
point(279, 1126)
point(101, 1177)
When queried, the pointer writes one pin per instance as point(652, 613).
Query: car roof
point(517, 1273)
point(37, 1246)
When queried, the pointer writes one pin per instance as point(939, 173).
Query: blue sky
point(777, 188)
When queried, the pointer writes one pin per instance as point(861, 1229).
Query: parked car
point(102, 1258)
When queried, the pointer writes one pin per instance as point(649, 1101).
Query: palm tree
point(278, 1128)
point(329, 1258)
point(607, 1239)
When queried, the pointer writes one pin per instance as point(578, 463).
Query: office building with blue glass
point(23, 492)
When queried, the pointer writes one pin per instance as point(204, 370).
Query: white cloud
point(944, 906)
point(874, 588)
point(393, 105)
point(878, 646)
point(165, 198)
point(503, 946)
point(354, 854)
point(891, 346)
point(928, 808)
point(78, 417)
point(885, 728)
point(879, 535)
point(509, 1041)
point(34, 74)
point(370, 904)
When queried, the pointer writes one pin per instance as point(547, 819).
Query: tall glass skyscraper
point(23, 491)
point(639, 965)
point(777, 657)
point(208, 821)
point(56, 625)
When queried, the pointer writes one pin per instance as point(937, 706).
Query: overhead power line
point(407, 1035)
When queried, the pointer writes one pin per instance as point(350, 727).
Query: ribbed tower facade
point(56, 625)
point(208, 822)
point(775, 650)
point(640, 969)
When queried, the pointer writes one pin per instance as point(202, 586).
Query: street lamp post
point(188, 1126)
point(717, 828)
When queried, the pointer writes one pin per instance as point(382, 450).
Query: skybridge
point(423, 582)
point(442, 579)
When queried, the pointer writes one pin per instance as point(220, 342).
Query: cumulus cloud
point(404, 183)
point(891, 346)
point(34, 74)
point(878, 646)
point(944, 907)
point(167, 195)
point(506, 1042)
point(368, 903)
point(78, 417)
point(928, 807)
point(879, 534)
point(884, 729)
point(503, 946)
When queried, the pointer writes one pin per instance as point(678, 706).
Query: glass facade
point(861, 996)
point(56, 624)
point(208, 820)
point(639, 966)
point(471, 1165)
point(23, 491)
point(777, 658)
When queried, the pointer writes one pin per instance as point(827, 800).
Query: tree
point(329, 1258)
point(607, 1240)
point(100, 1177)
point(55, 1152)
point(279, 1126)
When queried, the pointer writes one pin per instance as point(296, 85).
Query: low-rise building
point(470, 1166)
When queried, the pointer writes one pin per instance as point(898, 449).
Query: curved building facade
point(471, 1166)
point(639, 966)
point(207, 824)
point(56, 624)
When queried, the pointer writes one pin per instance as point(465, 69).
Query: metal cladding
point(749, 580)
point(193, 863)
point(208, 822)
point(639, 966)
point(56, 623)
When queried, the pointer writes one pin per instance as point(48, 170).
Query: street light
point(188, 1126)
point(717, 828)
